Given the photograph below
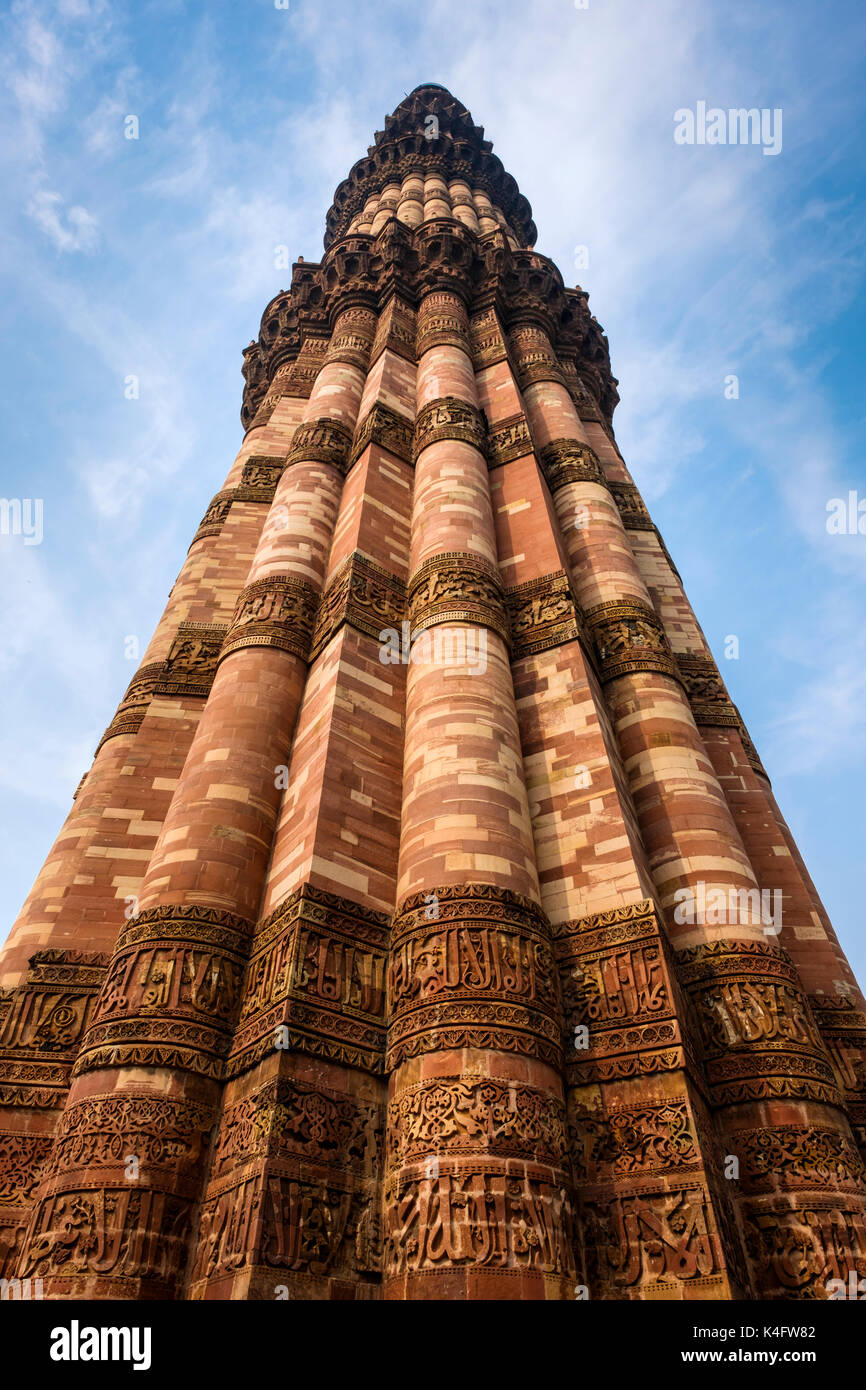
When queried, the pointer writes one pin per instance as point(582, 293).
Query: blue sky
point(155, 257)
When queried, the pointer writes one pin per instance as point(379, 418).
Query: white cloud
point(72, 230)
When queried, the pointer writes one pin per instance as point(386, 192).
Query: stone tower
point(425, 927)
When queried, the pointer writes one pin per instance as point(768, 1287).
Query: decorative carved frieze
point(542, 614)
point(489, 345)
point(212, 522)
point(843, 1031)
point(658, 1242)
point(533, 356)
point(322, 441)
point(757, 1034)
point(133, 707)
point(478, 973)
point(796, 1156)
point(457, 587)
point(565, 461)
point(475, 1115)
point(22, 1159)
point(635, 516)
point(502, 1218)
point(317, 971)
point(796, 1248)
point(355, 330)
point(620, 1013)
point(384, 427)
point(362, 594)
point(190, 666)
point(298, 1124)
point(508, 440)
point(710, 702)
point(286, 1229)
point(259, 479)
point(629, 1141)
point(395, 332)
point(171, 994)
point(118, 1235)
point(628, 637)
point(448, 417)
point(442, 322)
point(279, 611)
point(43, 1023)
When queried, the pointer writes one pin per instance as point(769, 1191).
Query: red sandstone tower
point(403, 940)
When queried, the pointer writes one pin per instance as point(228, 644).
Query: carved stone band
point(386, 428)
point(566, 461)
point(279, 611)
point(629, 637)
point(362, 594)
point(710, 702)
point(616, 985)
point(188, 671)
point(171, 994)
point(133, 706)
point(190, 666)
point(635, 516)
point(758, 1036)
point(508, 440)
point(322, 441)
point(317, 969)
point(457, 588)
point(450, 418)
point(542, 614)
point(471, 966)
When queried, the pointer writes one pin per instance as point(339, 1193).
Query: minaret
point(426, 927)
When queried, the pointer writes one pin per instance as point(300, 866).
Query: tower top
point(413, 145)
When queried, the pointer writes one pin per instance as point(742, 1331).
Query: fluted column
point(299, 1136)
point(762, 1053)
point(477, 1201)
point(164, 1019)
